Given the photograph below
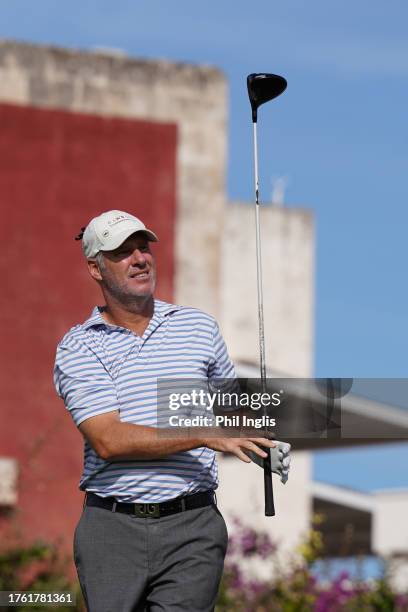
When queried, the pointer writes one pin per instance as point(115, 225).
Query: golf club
point(262, 87)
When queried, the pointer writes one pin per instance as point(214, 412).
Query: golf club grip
point(269, 502)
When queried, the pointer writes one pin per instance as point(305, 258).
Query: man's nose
point(138, 257)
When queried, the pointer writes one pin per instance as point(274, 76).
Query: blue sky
point(339, 134)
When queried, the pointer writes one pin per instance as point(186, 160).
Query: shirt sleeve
point(83, 384)
point(222, 366)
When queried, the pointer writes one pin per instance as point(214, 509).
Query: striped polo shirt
point(101, 367)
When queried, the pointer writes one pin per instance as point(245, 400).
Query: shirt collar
point(161, 310)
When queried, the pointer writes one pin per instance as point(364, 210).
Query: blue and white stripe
point(100, 368)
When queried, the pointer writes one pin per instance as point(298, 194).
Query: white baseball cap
point(108, 231)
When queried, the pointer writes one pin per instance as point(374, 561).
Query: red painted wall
point(57, 171)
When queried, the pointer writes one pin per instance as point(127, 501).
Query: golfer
point(150, 536)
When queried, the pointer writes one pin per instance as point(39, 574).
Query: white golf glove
point(280, 460)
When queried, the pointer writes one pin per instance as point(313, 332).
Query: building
point(84, 132)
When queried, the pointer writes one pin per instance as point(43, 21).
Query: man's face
point(129, 271)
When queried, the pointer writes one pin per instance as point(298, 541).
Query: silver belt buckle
point(145, 510)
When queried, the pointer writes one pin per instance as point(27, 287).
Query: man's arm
point(90, 396)
point(114, 440)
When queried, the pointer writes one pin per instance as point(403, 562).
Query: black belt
point(179, 504)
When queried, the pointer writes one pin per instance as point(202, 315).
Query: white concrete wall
point(241, 494)
point(390, 531)
point(288, 287)
point(390, 534)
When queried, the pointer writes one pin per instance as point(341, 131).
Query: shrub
point(38, 567)
point(294, 588)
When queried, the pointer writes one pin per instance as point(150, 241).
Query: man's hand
point(280, 460)
point(238, 446)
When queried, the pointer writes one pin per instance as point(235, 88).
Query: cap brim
point(120, 238)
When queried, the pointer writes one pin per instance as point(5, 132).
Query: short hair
point(100, 260)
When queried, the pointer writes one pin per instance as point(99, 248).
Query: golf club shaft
point(269, 502)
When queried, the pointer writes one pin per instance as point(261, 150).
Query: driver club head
point(263, 87)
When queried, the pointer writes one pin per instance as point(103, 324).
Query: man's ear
point(93, 269)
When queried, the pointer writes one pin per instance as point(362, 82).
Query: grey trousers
point(131, 564)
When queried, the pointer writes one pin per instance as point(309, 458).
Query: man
point(150, 534)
